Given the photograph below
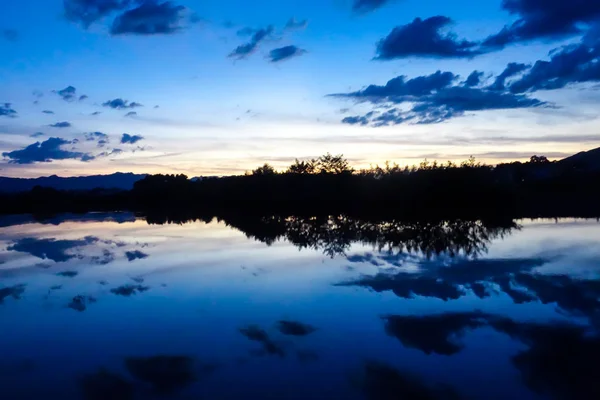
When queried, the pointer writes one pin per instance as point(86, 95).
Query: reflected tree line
point(335, 234)
point(329, 185)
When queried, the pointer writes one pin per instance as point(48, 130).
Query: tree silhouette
point(265, 170)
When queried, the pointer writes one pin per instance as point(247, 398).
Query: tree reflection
point(334, 235)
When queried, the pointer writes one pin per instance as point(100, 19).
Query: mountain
point(123, 181)
point(586, 160)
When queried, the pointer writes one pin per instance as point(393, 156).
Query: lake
point(116, 306)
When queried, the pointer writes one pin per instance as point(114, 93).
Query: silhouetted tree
point(266, 169)
point(539, 160)
point(302, 167)
point(330, 164)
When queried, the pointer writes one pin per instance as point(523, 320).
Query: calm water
point(111, 307)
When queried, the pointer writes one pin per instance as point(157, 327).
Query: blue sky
point(217, 87)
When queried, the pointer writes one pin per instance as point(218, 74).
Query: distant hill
point(586, 160)
point(123, 181)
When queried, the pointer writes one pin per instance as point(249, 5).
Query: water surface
point(102, 306)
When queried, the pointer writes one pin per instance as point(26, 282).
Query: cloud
point(51, 249)
point(120, 104)
point(46, 151)
point(87, 12)
point(433, 334)
point(365, 6)
point(130, 139)
point(68, 94)
point(356, 120)
point(9, 34)
point(101, 138)
point(511, 70)
point(7, 111)
point(96, 113)
point(577, 63)
point(400, 88)
point(37, 134)
point(422, 38)
point(474, 79)
point(48, 112)
point(83, 97)
point(432, 99)
point(113, 152)
point(247, 49)
point(285, 53)
point(245, 31)
point(63, 124)
point(292, 24)
point(544, 19)
point(150, 18)
point(131, 114)
point(135, 255)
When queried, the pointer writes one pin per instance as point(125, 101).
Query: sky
point(218, 87)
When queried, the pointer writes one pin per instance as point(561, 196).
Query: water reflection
point(433, 334)
point(230, 308)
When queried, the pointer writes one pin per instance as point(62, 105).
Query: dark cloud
point(7, 111)
point(83, 97)
point(63, 124)
point(359, 120)
point(285, 53)
point(294, 328)
point(93, 136)
point(257, 334)
point(434, 98)
point(87, 12)
point(9, 34)
point(46, 151)
point(292, 24)
point(247, 49)
point(120, 104)
point(516, 278)
point(130, 139)
point(131, 114)
point(51, 249)
point(356, 120)
point(68, 94)
point(105, 385)
point(167, 375)
point(96, 113)
point(135, 255)
point(557, 358)
point(474, 79)
point(68, 274)
point(48, 112)
point(433, 334)
point(401, 88)
point(379, 381)
point(511, 70)
point(544, 19)
point(150, 18)
point(37, 134)
point(113, 152)
point(245, 31)
point(80, 302)
point(15, 292)
point(129, 290)
point(365, 6)
point(578, 63)
point(423, 38)
point(102, 139)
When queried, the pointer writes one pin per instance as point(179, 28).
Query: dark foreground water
point(109, 307)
